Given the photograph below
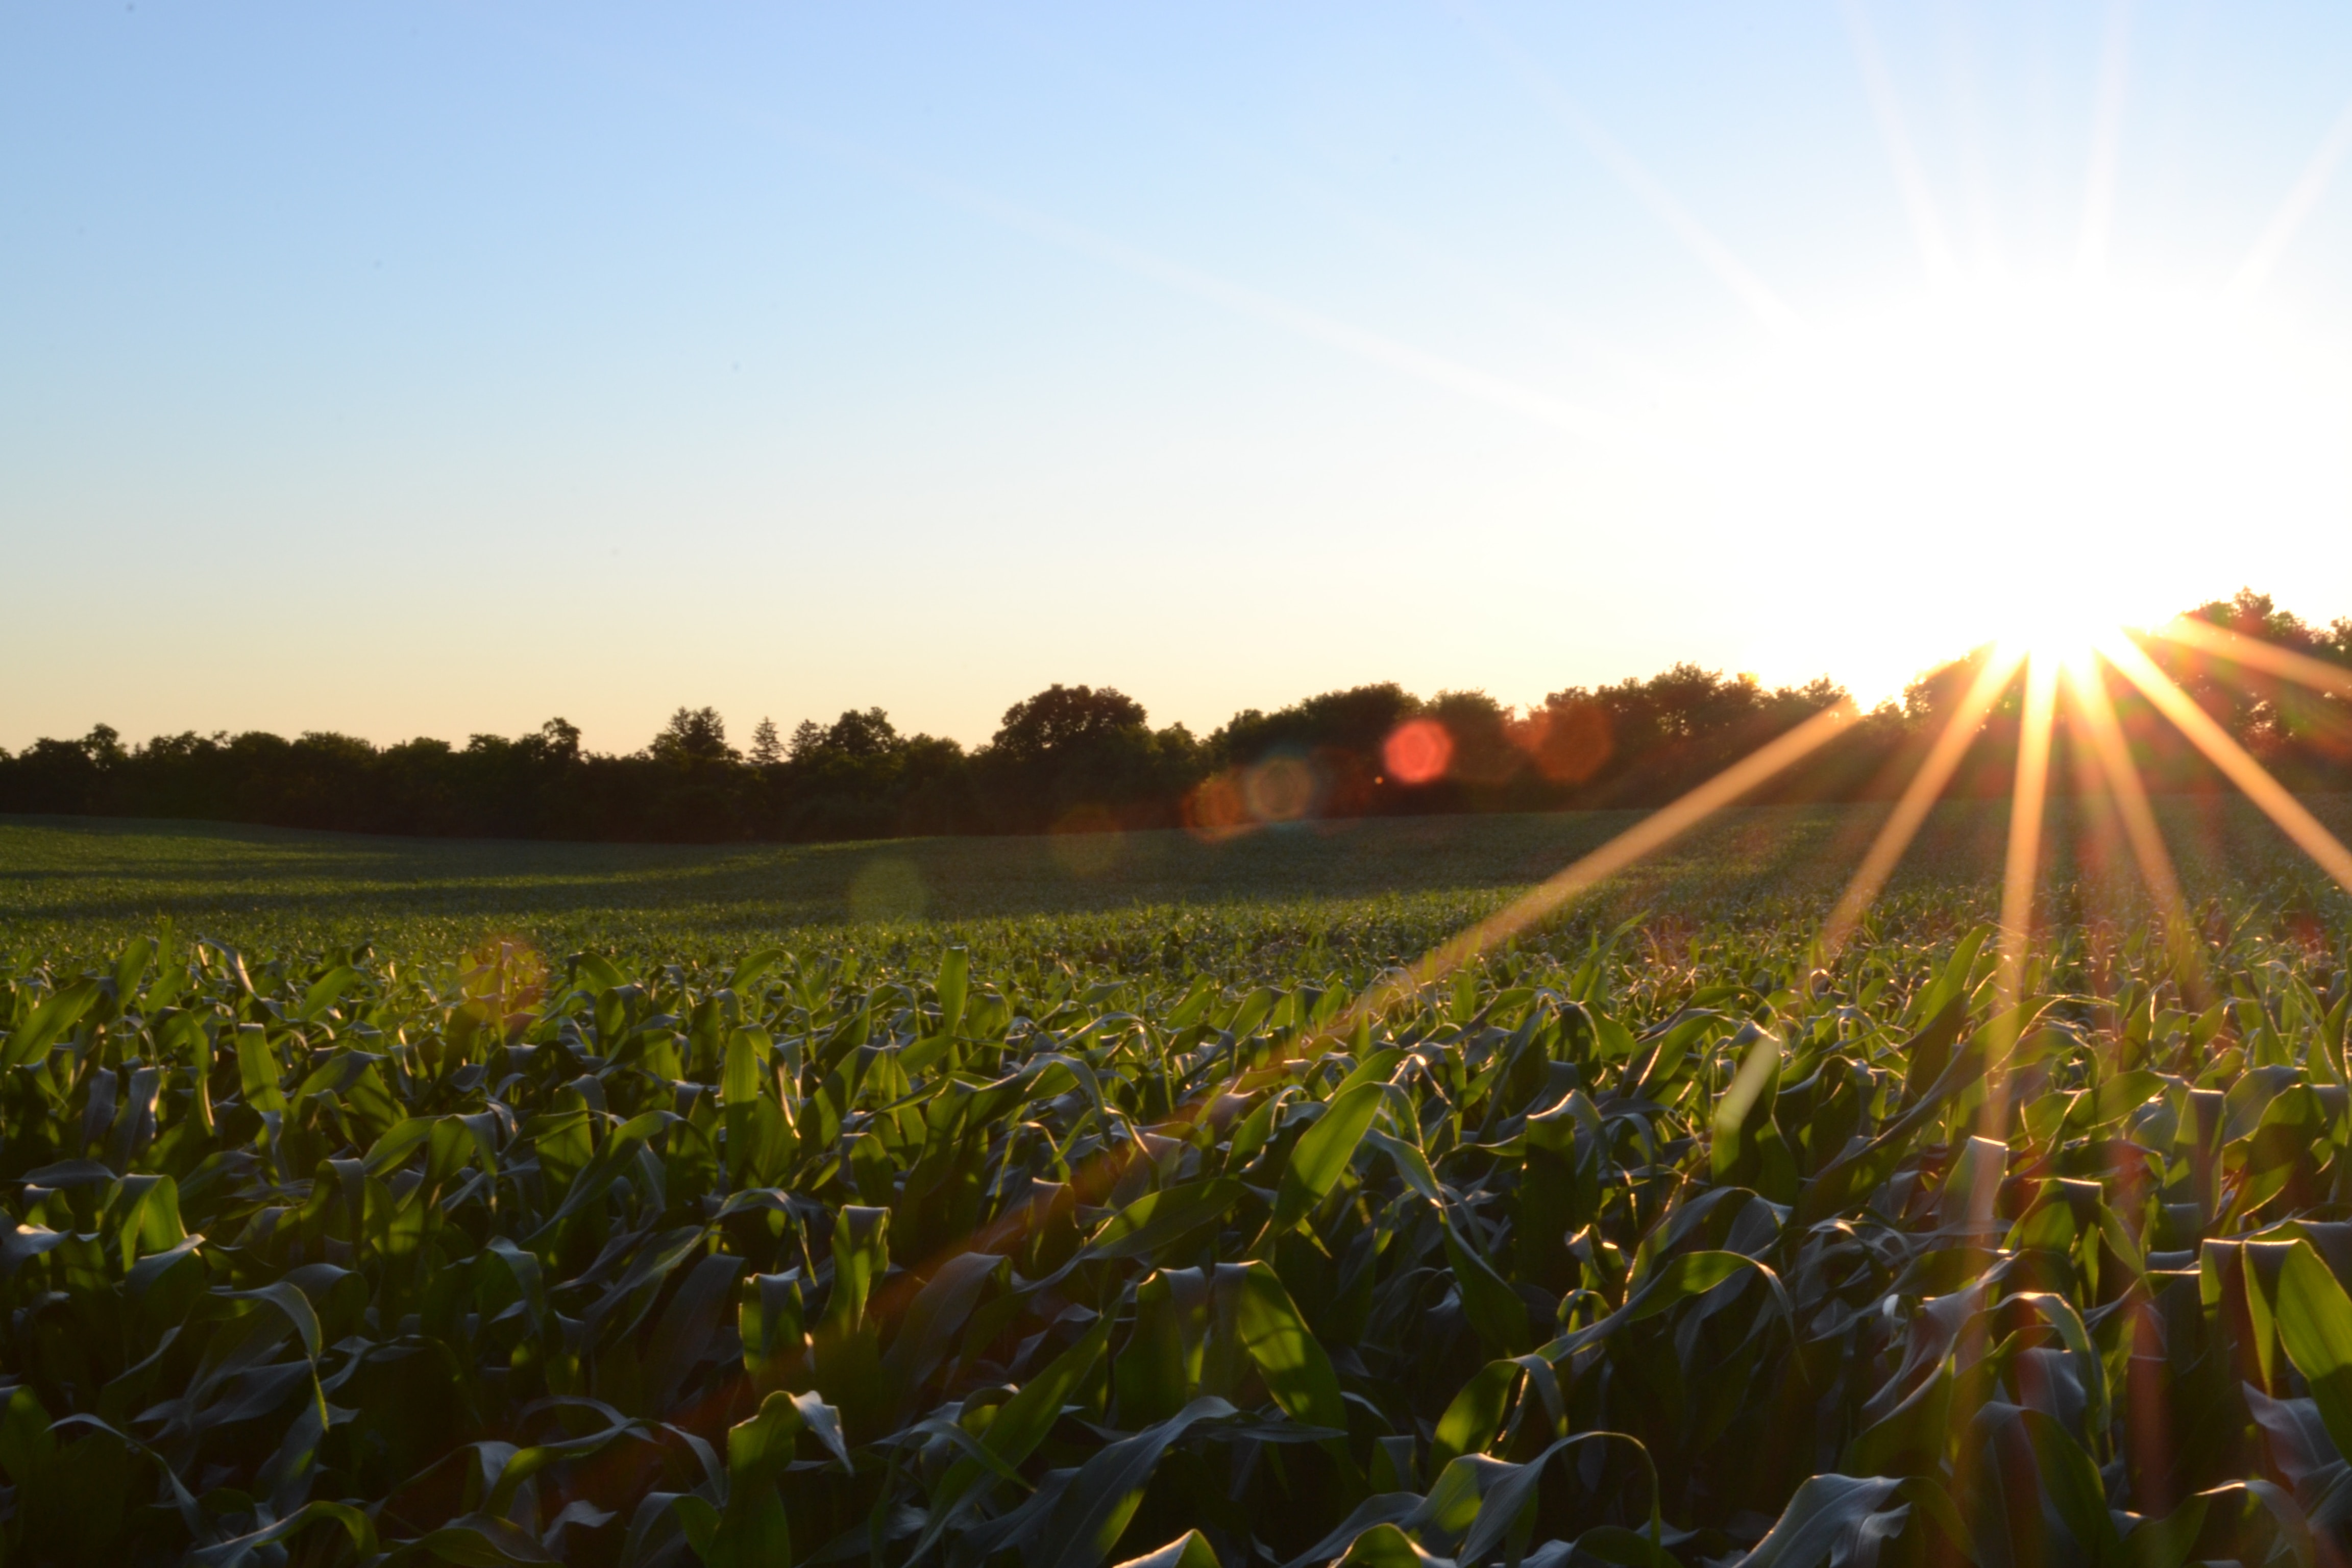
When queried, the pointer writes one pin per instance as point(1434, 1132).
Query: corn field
point(1604, 1249)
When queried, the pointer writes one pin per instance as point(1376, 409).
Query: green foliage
point(1664, 1244)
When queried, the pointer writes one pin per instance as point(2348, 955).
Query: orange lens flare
point(1216, 810)
point(1417, 752)
point(1283, 788)
point(1568, 746)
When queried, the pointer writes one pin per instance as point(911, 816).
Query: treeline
point(1077, 758)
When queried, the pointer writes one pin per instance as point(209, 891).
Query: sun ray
point(1702, 242)
point(2102, 856)
point(1926, 787)
point(2120, 775)
point(2207, 637)
point(1910, 179)
point(2028, 797)
point(2106, 144)
point(2287, 222)
point(1986, 249)
point(2029, 793)
point(2292, 817)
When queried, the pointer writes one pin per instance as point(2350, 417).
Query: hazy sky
point(434, 369)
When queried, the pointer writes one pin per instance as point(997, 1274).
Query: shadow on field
point(61, 873)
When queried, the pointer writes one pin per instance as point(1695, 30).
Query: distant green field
point(1369, 889)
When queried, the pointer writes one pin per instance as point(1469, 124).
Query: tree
point(53, 775)
point(867, 735)
point(1933, 695)
point(1479, 728)
point(560, 738)
point(2256, 616)
point(767, 749)
point(2269, 716)
point(855, 736)
point(1062, 718)
point(1356, 721)
point(694, 736)
point(858, 777)
point(1074, 753)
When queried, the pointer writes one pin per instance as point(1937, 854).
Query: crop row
point(1594, 1250)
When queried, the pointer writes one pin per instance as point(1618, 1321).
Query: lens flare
point(1215, 809)
point(1086, 840)
point(505, 982)
point(1568, 744)
point(887, 887)
point(1280, 789)
point(1417, 752)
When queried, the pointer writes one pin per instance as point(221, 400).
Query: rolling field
point(1381, 890)
point(1057, 1203)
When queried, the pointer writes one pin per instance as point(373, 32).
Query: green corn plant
point(1606, 1247)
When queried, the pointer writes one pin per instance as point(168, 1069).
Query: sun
point(2062, 637)
point(2050, 616)
point(2035, 463)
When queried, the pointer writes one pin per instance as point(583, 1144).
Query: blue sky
point(435, 369)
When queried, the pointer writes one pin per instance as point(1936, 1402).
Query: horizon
point(428, 372)
point(738, 732)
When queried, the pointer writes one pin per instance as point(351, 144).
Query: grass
point(70, 885)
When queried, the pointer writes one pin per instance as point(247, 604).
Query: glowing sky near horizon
point(437, 369)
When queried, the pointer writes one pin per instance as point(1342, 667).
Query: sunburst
point(2071, 662)
point(2063, 665)
point(1994, 437)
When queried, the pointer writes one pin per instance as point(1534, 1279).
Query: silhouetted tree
point(1062, 720)
point(1080, 756)
point(693, 735)
point(559, 740)
point(1356, 721)
point(2279, 720)
point(767, 749)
